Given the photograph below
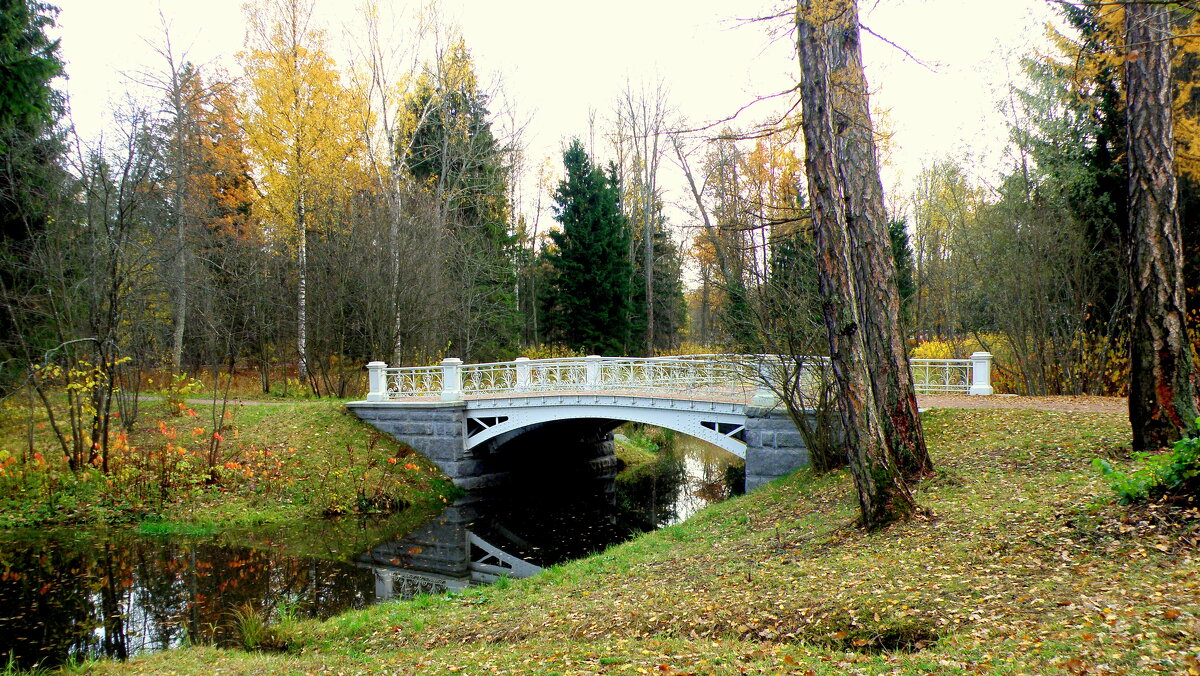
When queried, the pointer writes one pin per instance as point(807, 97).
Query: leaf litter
point(1025, 565)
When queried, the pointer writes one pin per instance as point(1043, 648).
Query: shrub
point(176, 392)
point(543, 351)
point(1158, 474)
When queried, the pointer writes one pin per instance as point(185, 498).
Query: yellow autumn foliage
point(302, 122)
point(1086, 65)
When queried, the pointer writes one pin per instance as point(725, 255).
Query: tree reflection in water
point(71, 594)
point(119, 596)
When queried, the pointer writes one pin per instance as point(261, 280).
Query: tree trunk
point(301, 290)
point(882, 494)
point(648, 269)
point(871, 244)
point(1162, 402)
point(181, 256)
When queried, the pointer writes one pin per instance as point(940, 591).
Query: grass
point(1024, 566)
point(277, 462)
point(639, 444)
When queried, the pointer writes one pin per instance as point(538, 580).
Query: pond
point(71, 594)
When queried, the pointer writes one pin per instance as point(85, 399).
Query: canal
point(72, 594)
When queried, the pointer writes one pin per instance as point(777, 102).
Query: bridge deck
point(692, 395)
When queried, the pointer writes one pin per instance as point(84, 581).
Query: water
point(73, 594)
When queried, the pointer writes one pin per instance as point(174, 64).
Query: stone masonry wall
point(435, 431)
point(774, 447)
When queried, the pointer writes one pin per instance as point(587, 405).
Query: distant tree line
point(300, 220)
point(1033, 267)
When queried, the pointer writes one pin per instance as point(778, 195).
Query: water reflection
point(115, 596)
point(70, 594)
point(687, 475)
point(706, 476)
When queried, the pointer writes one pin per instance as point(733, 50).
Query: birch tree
point(641, 125)
point(388, 68)
point(299, 128)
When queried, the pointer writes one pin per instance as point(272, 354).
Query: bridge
point(460, 415)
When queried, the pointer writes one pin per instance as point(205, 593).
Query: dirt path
point(1085, 404)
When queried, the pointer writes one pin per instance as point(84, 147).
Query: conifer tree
point(590, 285)
point(30, 149)
point(29, 109)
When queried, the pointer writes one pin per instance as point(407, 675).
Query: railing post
point(451, 379)
point(376, 381)
point(523, 371)
point(764, 396)
point(591, 377)
point(981, 373)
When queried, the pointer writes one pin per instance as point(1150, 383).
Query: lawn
point(1022, 564)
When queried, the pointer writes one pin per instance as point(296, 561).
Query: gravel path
point(1084, 404)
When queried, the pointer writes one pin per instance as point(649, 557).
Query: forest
point(189, 300)
point(287, 224)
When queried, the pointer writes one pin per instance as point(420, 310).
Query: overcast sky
point(558, 60)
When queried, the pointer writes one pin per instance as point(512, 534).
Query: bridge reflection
point(443, 555)
point(538, 519)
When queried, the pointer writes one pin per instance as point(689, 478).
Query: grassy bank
point(1020, 568)
point(636, 444)
point(274, 463)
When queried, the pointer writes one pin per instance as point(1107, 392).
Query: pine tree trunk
point(874, 264)
point(1162, 403)
point(882, 494)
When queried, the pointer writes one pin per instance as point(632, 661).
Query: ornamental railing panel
point(692, 376)
point(488, 378)
point(937, 376)
point(421, 381)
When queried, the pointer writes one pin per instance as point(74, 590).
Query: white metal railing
point(716, 375)
point(941, 375)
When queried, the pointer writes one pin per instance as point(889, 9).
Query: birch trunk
point(1162, 403)
point(302, 289)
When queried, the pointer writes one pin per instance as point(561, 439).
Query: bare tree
point(387, 124)
point(640, 127)
point(97, 268)
point(182, 91)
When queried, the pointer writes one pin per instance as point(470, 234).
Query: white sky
point(559, 59)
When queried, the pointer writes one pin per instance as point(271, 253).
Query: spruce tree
point(30, 177)
point(902, 254)
point(588, 302)
point(29, 109)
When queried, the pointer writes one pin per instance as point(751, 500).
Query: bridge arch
point(461, 435)
point(718, 423)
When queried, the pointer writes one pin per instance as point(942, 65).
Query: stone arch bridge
point(461, 415)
